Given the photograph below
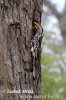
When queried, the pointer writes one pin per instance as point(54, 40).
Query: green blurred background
point(53, 57)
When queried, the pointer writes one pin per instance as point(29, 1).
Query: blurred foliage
point(51, 86)
point(47, 59)
point(53, 72)
point(53, 59)
point(58, 48)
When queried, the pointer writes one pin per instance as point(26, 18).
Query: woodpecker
point(36, 39)
point(35, 42)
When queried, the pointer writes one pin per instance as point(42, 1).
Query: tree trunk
point(16, 17)
point(64, 36)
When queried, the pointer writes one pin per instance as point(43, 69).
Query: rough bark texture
point(16, 17)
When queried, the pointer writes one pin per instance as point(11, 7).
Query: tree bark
point(16, 17)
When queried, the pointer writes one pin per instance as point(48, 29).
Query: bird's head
point(38, 27)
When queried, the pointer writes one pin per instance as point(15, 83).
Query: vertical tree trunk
point(16, 17)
